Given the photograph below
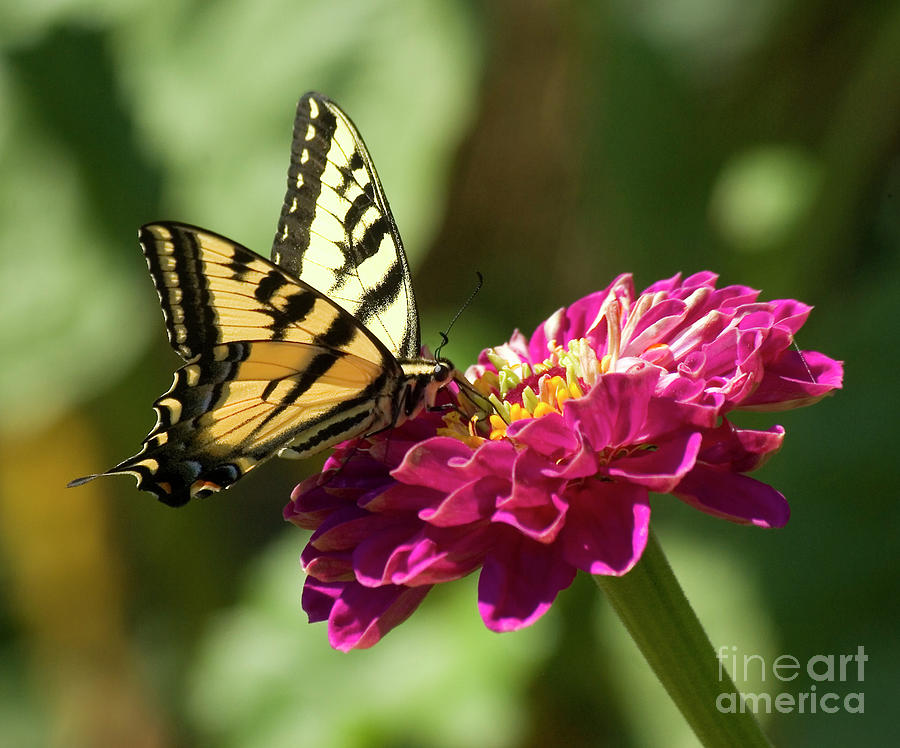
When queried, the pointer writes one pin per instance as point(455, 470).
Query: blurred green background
point(550, 145)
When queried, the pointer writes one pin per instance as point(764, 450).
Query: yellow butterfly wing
point(336, 231)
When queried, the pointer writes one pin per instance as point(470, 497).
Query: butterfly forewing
point(213, 290)
point(336, 231)
point(227, 412)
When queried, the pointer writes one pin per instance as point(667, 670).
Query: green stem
point(662, 623)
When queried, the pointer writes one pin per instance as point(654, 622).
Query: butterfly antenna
point(444, 341)
point(445, 333)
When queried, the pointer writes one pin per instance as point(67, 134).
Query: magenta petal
point(448, 555)
point(344, 528)
point(318, 598)
point(550, 436)
point(794, 380)
point(419, 561)
point(415, 556)
point(681, 401)
point(310, 504)
point(535, 507)
point(739, 450)
point(515, 350)
point(660, 469)
point(398, 512)
point(734, 497)
point(519, 582)
point(554, 438)
point(433, 463)
point(402, 498)
point(667, 285)
point(607, 527)
point(470, 503)
point(372, 555)
point(790, 314)
point(658, 322)
point(731, 297)
point(331, 566)
point(614, 412)
point(361, 616)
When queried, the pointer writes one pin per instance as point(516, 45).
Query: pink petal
point(402, 498)
point(734, 497)
point(660, 469)
point(449, 555)
point(310, 504)
point(318, 598)
point(345, 527)
point(614, 412)
point(420, 556)
point(434, 463)
point(549, 436)
point(372, 555)
point(607, 526)
point(534, 507)
point(327, 566)
point(739, 450)
point(654, 326)
point(667, 285)
point(701, 332)
point(794, 380)
point(519, 582)
point(552, 437)
point(731, 297)
point(790, 314)
point(361, 616)
point(472, 502)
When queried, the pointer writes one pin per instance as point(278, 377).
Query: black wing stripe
point(340, 424)
point(319, 366)
point(189, 319)
point(304, 186)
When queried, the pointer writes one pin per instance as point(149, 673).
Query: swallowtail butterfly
point(293, 355)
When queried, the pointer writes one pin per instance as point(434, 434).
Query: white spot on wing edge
point(313, 108)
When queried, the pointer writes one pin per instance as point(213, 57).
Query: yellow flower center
point(552, 392)
point(518, 390)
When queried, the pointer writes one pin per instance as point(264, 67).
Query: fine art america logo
point(826, 683)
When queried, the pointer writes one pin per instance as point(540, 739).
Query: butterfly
point(289, 356)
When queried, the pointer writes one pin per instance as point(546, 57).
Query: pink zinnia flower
point(609, 399)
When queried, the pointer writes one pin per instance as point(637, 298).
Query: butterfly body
point(293, 355)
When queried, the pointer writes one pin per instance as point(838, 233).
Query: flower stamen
point(520, 391)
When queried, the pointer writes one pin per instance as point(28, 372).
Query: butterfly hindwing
point(336, 231)
point(228, 411)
